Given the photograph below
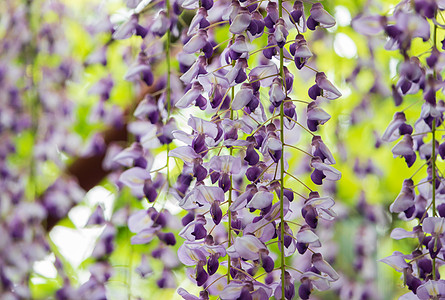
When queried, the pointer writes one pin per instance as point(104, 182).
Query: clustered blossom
point(36, 102)
point(232, 148)
point(422, 200)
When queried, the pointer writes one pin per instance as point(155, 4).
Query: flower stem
point(229, 213)
point(433, 156)
point(168, 89)
point(282, 258)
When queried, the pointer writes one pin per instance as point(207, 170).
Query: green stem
point(282, 258)
point(229, 213)
point(433, 156)
point(167, 53)
point(168, 88)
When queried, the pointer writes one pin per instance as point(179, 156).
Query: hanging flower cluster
point(422, 200)
point(233, 177)
point(37, 115)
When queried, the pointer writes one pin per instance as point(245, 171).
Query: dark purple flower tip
point(17, 228)
point(300, 62)
point(214, 176)
point(253, 27)
point(241, 77)
point(311, 23)
point(258, 18)
point(268, 22)
point(310, 216)
point(199, 172)
point(425, 8)
point(434, 247)
point(304, 291)
point(441, 210)
point(312, 125)
point(275, 155)
point(287, 241)
point(254, 83)
point(212, 264)
point(224, 182)
point(231, 134)
point(302, 247)
point(289, 79)
point(141, 31)
point(150, 191)
point(161, 282)
point(405, 129)
point(412, 282)
point(234, 55)
point(201, 102)
point(314, 91)
point(201, 274)
point(208, 50)
point(269, 279)
point(289, 194)
point(426, 265)
point(317, 176)
point(159, 218)
point(293, 48)
point(433, 58)
point(270, 51)
point(252, 157)
point(147, 77)
point(183, 183)
point(289, 291)
point(410, 159)
point(443, 44)
point(189, 217)
point(236, 226)
point(177, 9)
point(405, 86)
point(245, 294)
point(199, 231)
point(254, 102)
point(199, 145)
point(295, 15)
point(204, 23)
point(216, 212)
point(168, 238)
point(281, 44)
point(289, 110)
point(410, 211)
point(207, 4)
point(430, 96)
point(204, 295)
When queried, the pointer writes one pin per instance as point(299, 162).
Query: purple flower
point(297, 15)
point(239, 48)
point(300, 51)
point(431, 290)
point(134, 178)
point(405, 199)
point(280, 33)
point(241, 21)
point(272, 14)
point(140, 70)
point(247, 247)
point(319, 17)
point(160, 24)
point(329, 91)
point(405, 148)
point(368, 24)
point(316, 116)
